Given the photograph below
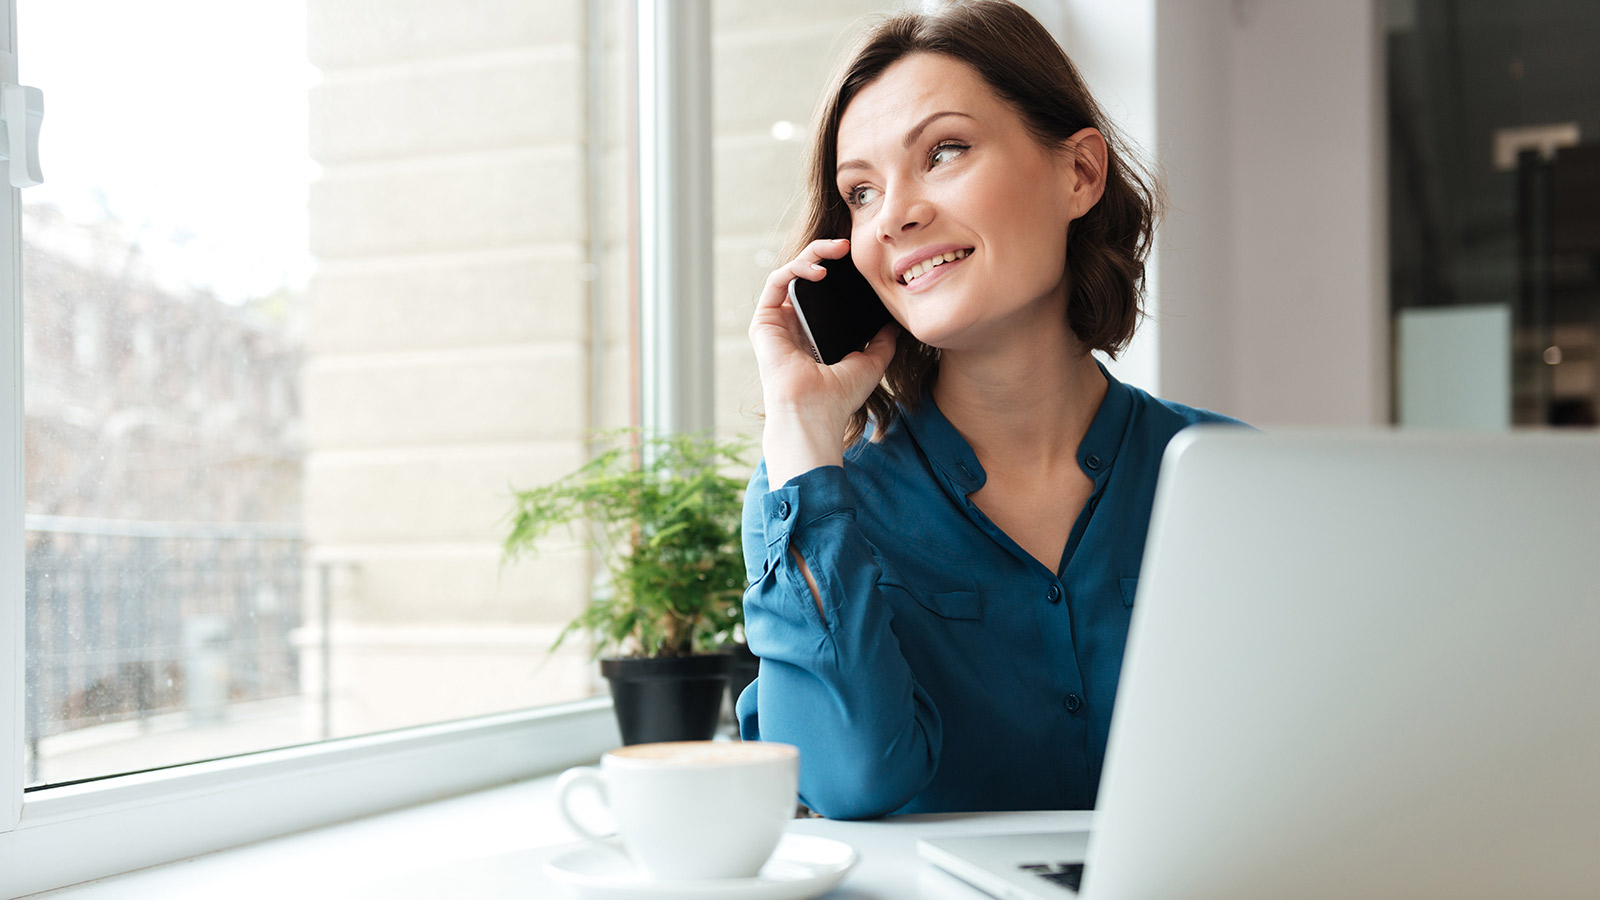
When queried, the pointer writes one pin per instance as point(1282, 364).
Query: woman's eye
point(945, 152)
point(861, 196)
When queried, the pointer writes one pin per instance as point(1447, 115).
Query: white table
point(493, 845)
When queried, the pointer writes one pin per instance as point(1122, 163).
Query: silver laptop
point(1360, 664)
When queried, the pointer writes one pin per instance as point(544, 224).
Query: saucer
point(802, 866)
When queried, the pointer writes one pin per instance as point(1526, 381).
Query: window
point(384, 227)
point(298, 305)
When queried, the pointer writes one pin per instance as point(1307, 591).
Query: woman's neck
point(1025, 409)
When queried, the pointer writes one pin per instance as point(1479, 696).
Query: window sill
point(372, 858)
point(494, 843)
point(74, 834)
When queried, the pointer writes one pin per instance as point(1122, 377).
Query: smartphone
point(840, 313)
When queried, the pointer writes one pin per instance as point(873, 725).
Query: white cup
point(692, 810)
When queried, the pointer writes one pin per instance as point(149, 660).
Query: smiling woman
point(943, 536)
point(1039, 95)
point(942, 177)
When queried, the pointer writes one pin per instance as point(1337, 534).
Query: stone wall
point(451, 354)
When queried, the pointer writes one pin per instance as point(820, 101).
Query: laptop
point(1360, 664)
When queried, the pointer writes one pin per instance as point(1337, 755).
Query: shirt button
point(1074, 703)
point(1054, 594)
point(1092, 462)
point(783, 509)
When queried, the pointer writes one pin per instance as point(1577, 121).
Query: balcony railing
point(128, 619)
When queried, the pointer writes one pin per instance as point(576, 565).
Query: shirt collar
point(944, 447)
point(950, 453)
point(1099, 447)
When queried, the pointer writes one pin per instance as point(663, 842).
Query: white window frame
point(56, 836)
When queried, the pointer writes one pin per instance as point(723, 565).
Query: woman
point(945, 533)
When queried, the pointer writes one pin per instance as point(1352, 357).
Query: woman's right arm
point(807, 404)
point(833, 680)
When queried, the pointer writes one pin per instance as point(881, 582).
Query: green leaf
point(666, 525)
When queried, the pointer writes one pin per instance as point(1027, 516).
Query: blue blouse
point(954, 671)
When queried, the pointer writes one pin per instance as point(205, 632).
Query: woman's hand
point(807, 403)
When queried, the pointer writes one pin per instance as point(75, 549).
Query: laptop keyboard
point(1067, 875)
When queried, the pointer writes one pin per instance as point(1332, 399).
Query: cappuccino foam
point(705, 753)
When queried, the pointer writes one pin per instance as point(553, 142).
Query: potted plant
point(667, 529)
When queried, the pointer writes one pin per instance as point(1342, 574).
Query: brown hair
point(1017, 57)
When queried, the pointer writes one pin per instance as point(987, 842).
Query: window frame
point(77, 832)
point(11, 474)
point(55, 836)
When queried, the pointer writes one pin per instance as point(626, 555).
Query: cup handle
point(572, 779)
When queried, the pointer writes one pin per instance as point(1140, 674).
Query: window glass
point(309, 288)
point(1494, 175)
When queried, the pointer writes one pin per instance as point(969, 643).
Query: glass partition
point(1494, 165)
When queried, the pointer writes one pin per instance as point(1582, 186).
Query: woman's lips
point(905, 273)
point(935, 275)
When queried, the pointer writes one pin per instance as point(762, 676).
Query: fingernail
point(819, 267)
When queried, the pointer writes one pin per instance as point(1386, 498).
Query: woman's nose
point(903, 211)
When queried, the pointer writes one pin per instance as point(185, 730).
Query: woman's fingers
point(868, 364)
point(880, 350)
point(774, 316)
point(789, 374)
point(806, 265)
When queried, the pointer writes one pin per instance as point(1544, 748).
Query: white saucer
point(802, 866)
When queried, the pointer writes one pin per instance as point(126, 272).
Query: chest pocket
point(953, 604)
point(1130, 586)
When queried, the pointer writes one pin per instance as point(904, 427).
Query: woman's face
point(936, 167)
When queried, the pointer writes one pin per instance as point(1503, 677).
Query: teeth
point(927, 265)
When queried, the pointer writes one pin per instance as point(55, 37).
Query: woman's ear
point(1086, 154)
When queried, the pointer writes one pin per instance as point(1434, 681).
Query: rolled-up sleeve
point(833, 683)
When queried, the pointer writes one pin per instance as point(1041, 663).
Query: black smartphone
point(840, 313)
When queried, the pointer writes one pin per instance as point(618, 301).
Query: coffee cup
point(691, 810)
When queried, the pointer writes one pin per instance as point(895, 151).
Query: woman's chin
point(937, 333)
point(947, 338)
point(966, 330)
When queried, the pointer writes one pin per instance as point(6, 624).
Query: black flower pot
point(669, 698)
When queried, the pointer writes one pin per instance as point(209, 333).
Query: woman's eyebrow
point(911, 138)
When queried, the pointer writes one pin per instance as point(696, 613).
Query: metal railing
point(128, 619)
